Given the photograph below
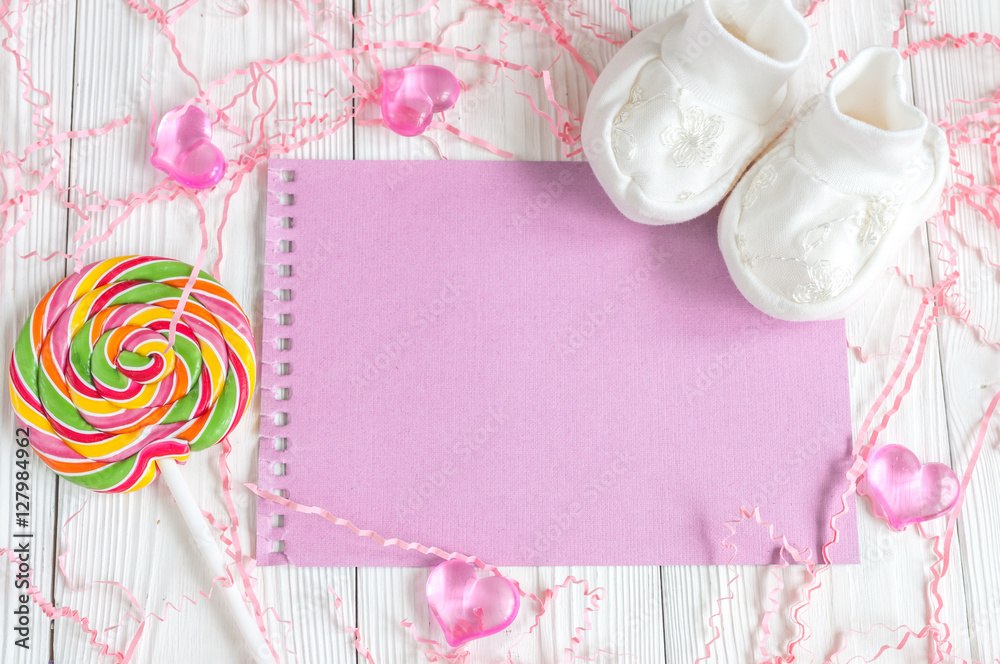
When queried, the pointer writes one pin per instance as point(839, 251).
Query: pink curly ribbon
point(939, 301)
point(273, 129)
point(355, 632)
point(543, 601)
point(235, 550)
point(55, 612)
point(435, 652)
point(141, 616)
point(259, 144)
point(269, 132)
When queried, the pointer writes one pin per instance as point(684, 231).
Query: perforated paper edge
point(276, 370)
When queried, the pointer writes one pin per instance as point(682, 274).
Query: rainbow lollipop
point(110, 403)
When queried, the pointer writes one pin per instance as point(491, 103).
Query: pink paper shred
point(971, 123)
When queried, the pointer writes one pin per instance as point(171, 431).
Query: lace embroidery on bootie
point(879, 217)
point(623, 143)
point(694, 138)
point(826, 281)
point(763, 179)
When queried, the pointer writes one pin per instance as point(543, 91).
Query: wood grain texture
point(970, 368)
point(102, 61)
point(130, 536)
point(47, 43)
point(886, 587)
point(630, 618)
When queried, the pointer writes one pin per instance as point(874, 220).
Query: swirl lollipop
point(110, 403)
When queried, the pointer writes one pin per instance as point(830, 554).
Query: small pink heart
point(412, 95)
point(905, 491)
point(468, 607)
point(183, 148)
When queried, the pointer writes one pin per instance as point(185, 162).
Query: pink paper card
point(488, 358)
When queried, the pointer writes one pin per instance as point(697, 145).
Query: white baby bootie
point(810, 227)
point(685, 106)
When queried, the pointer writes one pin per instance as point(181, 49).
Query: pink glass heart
point(412, 95)
point(468, 607)
point(184, 150)
point(906, 491)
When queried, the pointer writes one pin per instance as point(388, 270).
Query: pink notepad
point(488, 358)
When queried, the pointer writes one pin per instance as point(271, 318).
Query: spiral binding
point(277, 323)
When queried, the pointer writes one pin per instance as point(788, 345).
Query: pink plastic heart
point(906, 491)
point(412, 95)
point(468, 607)
point(184, 150)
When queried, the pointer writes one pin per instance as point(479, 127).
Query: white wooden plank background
point(102, 60)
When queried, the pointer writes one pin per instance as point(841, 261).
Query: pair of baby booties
point(679, 114)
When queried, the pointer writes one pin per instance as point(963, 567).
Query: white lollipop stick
point(214, 557)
